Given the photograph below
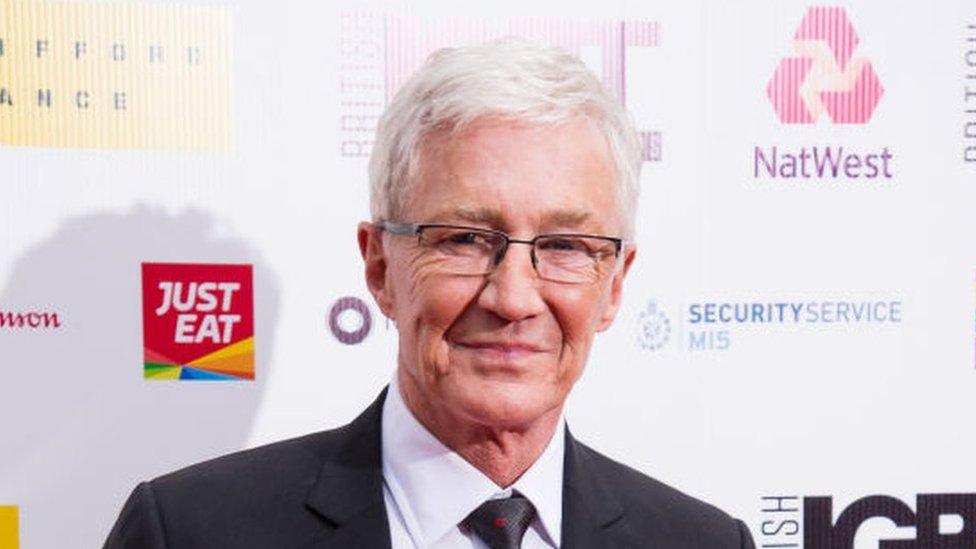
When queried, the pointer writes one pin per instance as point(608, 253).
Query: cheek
point(578, 312)
point(428, 304)
point(434, 298)
point(416, 293)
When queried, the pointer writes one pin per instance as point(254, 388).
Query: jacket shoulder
point(292, 458)
point(251, 498)
point(260, 497)
point(654, 510)
point(286, 467)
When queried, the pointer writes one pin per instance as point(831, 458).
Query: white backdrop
point(731, 412)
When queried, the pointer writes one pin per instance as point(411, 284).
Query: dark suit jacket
point(326, 491)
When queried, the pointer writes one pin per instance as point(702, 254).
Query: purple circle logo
point(350, 306)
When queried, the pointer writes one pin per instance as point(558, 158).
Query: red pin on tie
point(500, 523)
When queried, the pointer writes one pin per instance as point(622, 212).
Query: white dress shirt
point(429, 489)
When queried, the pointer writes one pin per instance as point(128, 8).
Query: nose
point(512, 288)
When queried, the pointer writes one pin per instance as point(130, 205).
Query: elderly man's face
point(504, 349)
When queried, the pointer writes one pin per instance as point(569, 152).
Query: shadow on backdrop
point(79, 426)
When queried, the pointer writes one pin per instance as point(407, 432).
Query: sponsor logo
point(969, 98)
point(714, 325)
point(115, 75)
point(821, 163)
point(198, 321)
point(939, 520)
point(654, 327)
point(350, 320)
point(9, 527)
point(380, 51)
point(30, 320)
point(825, 76)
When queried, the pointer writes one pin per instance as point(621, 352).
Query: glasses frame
point(418, 229)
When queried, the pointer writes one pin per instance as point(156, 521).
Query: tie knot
point(501, 523)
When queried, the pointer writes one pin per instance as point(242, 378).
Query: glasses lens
point(462, 250)
point(573, 259)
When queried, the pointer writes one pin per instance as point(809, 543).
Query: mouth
point(501, 351)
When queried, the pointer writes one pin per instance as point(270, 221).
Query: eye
point(461, 241)
point(467, 237)
point(564, 244)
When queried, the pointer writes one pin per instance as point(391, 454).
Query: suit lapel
point(348, 493)
point(591, 511)
point(349, 490)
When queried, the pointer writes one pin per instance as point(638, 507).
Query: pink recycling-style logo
point(824, 76)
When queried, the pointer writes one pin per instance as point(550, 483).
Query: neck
point(502, 452)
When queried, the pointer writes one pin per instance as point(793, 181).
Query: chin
point(507, 404)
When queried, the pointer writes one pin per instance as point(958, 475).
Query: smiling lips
point(506, 349)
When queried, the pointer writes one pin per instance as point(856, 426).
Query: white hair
point(510, 79)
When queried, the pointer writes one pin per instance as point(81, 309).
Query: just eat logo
point(198, 321)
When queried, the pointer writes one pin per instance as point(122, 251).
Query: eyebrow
point(571, 218)
point(489, 216)
point(473, 215)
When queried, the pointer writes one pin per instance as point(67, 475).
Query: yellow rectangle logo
point(115, 76)
point(9, 537)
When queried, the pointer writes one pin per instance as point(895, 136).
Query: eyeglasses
point(472, 251)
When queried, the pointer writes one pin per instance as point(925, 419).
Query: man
point(504, 183)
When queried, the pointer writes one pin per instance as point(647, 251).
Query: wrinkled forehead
point(497, 172)
point(481, 215)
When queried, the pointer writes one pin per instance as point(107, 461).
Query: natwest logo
point(824, 76)
point(198, 321)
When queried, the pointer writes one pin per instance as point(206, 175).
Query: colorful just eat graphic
point(824, 76)
point(198, 321)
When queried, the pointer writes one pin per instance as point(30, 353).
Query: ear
point(617, 288)
point(370, 239)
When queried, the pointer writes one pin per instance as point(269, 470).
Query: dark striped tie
point(501, 523)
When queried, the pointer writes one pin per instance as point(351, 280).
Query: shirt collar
point(435, 488)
